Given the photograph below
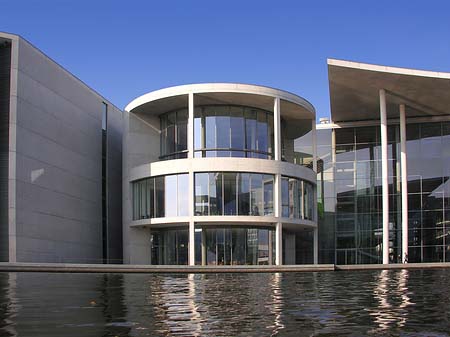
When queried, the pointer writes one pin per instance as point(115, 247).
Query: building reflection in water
point(391, 292)
point(8, 304)
point(62, 305)
point(208, 304)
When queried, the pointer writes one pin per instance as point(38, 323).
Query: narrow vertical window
point(104, 183)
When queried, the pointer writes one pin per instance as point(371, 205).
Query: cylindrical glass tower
point(213, 176)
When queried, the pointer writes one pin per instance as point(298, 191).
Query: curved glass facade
point(221, 193)
point(233, 193)
point(169, 246)
point(234, 246)
point(297, 199)
point(163, 196)
point(173, 138)
point(233, 131)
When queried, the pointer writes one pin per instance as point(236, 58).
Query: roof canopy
point(354, 91)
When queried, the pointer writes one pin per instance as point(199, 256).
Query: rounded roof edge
point(216, 88)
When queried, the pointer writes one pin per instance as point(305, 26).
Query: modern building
point(383, 187)
point(222, 173)
point(211, 177)
point(60, 163)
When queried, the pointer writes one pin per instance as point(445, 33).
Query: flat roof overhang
point(294, 109)
point(354, 91)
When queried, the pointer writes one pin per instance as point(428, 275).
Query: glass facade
point(297, 199)
point(350, 195)
point(173, 137)
point(229, 245)
point(428, 151)
point(163, 196)
point(234, 246)
point(357, 178)
point(169, 246)
point(298, 149)
point(233, 193)
point(233, 131)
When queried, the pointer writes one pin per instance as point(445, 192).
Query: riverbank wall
point(120, 268)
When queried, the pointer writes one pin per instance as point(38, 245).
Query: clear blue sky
point(126, 48)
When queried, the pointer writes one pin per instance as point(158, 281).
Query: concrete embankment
point(120, 268)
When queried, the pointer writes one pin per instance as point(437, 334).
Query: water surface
point(395, 302)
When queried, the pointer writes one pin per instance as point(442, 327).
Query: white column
point(316, 246)
point(191, 243)
point(314, 145)
point(190, 135)
point(384, 175)
point(278, 244)
point(270, 250)
point(203, 247)
point(316, 230)
point(190, 139)
point(277, 196)
point(278, 226)
point(277, 128)
point(404, 174)
point(191, 221)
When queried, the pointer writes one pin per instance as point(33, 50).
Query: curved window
point(173, 138)
point(297, 199)
point(233, 131)
point(163, 196)
point(169, 246)
point(232, 193)
point(234, 245)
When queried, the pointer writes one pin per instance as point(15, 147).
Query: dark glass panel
point(244, 193)
point(237, 125)
point(229, 194)
point(345, 136)
point(270, 132)
point(182, 247)
point(285, 197)
point(250, 129)
point(295, 195)
point(223, 132)
point(262, 131)
point(256, 193)
point(364, 135)
point(433, 254)
point(238, 239)
point(151, 197)
point(159, 197)
point(211, 246)
point(182, 137)
point(268, 194)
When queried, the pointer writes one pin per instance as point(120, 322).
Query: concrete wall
point(56, 159)
point(140, 146)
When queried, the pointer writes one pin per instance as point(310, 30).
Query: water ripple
point(377, 303)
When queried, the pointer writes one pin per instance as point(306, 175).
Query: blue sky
point(124, 49)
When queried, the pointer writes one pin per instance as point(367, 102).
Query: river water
point(358, 303)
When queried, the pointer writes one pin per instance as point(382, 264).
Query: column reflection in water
point(391, 292)
point(234, 246)
point(276, 307)
point(207, 304)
